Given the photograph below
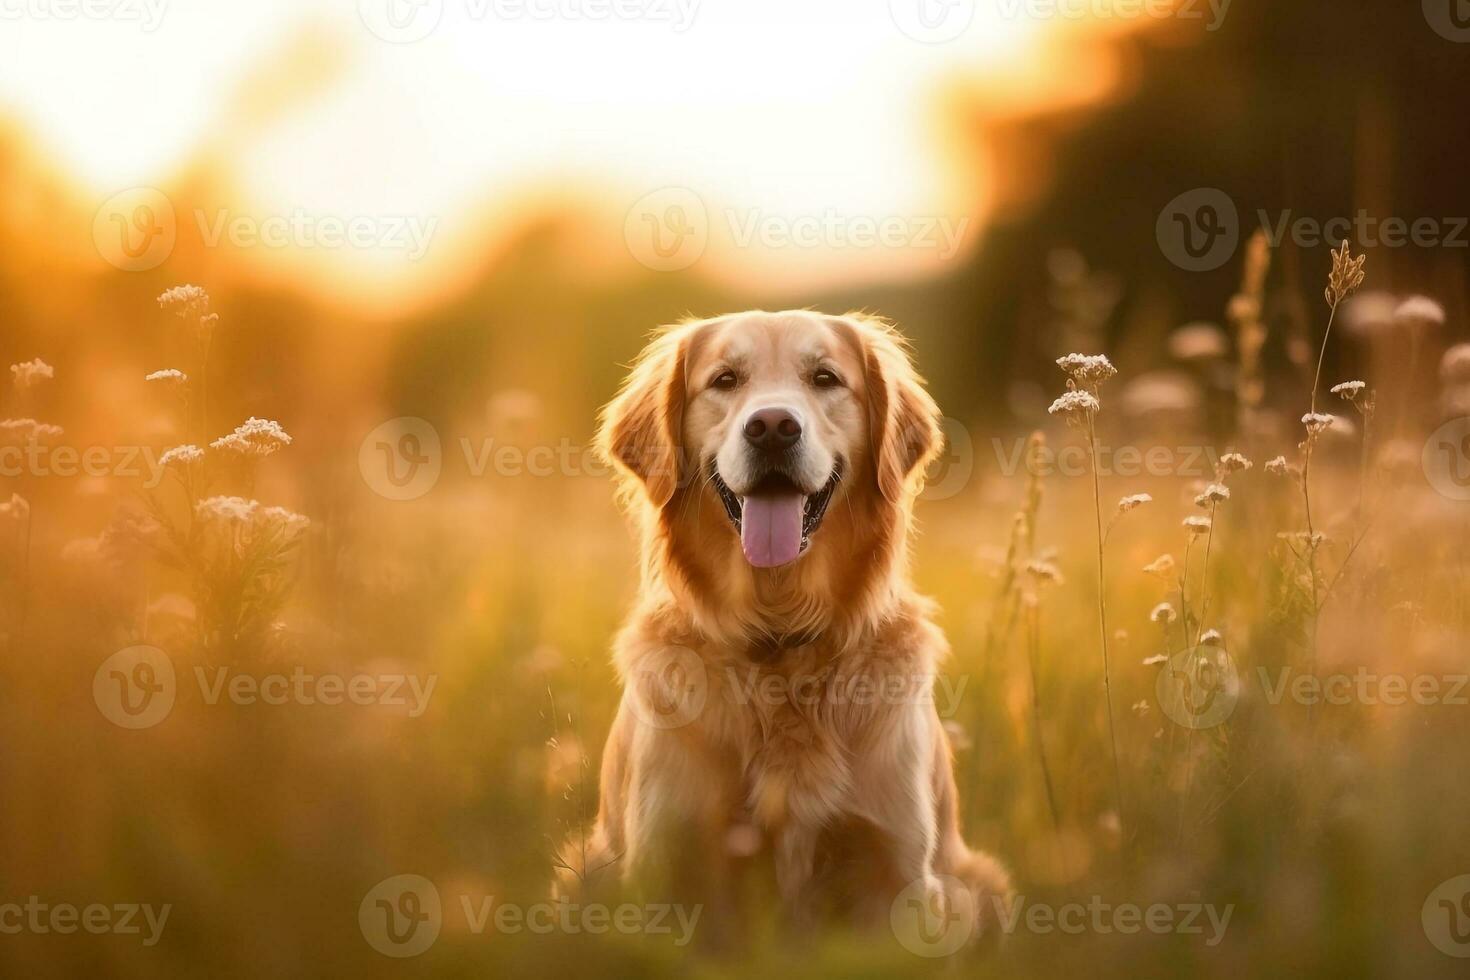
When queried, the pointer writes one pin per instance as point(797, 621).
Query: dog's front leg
point(796, 850)
point(800, 790)
point(896, 794)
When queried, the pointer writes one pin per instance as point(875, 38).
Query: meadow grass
point(1323, 827)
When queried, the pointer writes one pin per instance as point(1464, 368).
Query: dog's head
point(779, 422)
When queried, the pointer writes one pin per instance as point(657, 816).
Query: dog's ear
point(642, 427)
point(903, 421)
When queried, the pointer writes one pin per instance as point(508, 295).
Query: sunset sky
point(499, 109)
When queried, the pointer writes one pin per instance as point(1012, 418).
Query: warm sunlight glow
point(327, 127)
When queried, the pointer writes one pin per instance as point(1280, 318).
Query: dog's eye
point(725, 381)
point(826, 379)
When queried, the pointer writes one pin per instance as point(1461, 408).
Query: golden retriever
point(778, 666)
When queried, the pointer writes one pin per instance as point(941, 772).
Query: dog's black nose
point(772, 430)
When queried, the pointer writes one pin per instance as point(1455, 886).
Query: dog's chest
point(803, 725)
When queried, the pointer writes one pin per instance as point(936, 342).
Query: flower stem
point(1102, 614)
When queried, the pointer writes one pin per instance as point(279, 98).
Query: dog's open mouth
point(776, 520)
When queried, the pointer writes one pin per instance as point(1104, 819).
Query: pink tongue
point(770, 528)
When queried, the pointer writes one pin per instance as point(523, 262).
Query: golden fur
point(749, 710)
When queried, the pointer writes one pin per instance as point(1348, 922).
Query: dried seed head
point(1347, 275)
point(1195, 526)
point(1163, 614)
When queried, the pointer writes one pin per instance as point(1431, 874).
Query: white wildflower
point(185, 301)
point(1349, 390)
point(1161, 567)
point(228, 509)
point(283, 520)
point(1419, 311)
point(168, 376)
point(1317, 423)
point(1302, 537)
point(1213, 494)
point(15, 509)
point(1044, 572)
point(1163, 614)
point(1454, 367)
point(181, 454)
point(1211, 638)
point(1198, 342)
point(1234, 463)
point(255, 437)
point(1196, 525)
point(1158, 658)
point(1278, 466)
point(1074, 406)
point(1134, 500)
point(1088, 370)
point(1368, 313)
point(29, 429)
point(28, 373)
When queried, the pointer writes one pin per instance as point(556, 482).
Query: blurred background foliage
point(265, 826)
